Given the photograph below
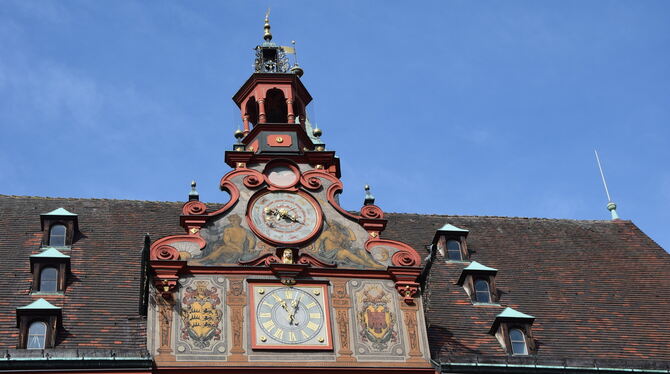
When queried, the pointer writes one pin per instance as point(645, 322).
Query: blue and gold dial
point(290, 317)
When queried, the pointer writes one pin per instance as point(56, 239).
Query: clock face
point(290, 317)
point(284, 217)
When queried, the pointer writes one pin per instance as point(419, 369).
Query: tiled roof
point(100, 305)
point(598, 289)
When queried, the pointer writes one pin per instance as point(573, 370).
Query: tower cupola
point(270, 58)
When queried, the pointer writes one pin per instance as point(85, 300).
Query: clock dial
point(284, 217)
point(290, 317)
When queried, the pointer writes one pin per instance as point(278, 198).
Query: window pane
point(57, 236)
point(518, 341)
point(37, 335)
point(454, 250)
point(49, 280)
point(482, 294)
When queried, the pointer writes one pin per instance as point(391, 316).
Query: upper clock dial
point(284, 217)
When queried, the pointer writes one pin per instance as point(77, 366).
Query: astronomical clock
point(281, 275)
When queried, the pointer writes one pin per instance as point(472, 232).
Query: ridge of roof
point(95, 199)
point(394, 213)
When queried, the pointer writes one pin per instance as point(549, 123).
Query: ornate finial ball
point(317, 132)
point(297, 70)
point(611, 206)
point(367, 187)
point(292, 41)
point(239, 134)
point(192, 184)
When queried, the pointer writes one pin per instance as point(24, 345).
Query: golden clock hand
point(294, 303)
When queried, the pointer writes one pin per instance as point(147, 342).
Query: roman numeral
point(267, 304)
point(291, 336)
point(269, 325)
point(288, 294)
point(265, 315)
point(279, 333)
point(276, 297)
point(304, 334)
point(310, 305)
point(312, 326)
point(315, 315)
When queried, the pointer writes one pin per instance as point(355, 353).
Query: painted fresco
point(201, 324)
point(341, 241)
point(383, 254)
point(228, 242)
point(376, 322)
point(338, 244)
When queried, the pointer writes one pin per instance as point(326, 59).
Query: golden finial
point(267, 35)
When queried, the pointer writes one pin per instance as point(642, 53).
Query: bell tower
point(272, 106)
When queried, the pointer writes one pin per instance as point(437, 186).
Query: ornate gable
point(282, 266)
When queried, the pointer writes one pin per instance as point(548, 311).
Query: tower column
point(261, 110)
point(289, 107)
point(245, 122)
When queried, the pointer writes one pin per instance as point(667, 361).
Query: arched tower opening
point(275, 106)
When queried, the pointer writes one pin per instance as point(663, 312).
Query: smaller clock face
point(290, 317)
point(284, 217)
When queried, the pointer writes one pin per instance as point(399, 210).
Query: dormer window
point(48, 279)
point(512, 329)
point(38, 323)
point(58, 228)
point(450, 241)
point(49, 270)
point(57, 236)
point(37, 335)
point(482, 291)
point(518, 342)
point(454, 250)
point(478, 281)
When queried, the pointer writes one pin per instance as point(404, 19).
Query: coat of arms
point(376, 318)
point(201, 314)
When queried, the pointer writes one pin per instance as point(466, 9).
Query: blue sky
point(447, 107)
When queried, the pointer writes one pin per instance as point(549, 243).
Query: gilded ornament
point(261, 291)
point(279, 139)
point(317, 292)
point(321, 339)
point(264, 339)
point(194, 230)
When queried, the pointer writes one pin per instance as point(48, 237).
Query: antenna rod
point(602, 176)
point(295, 52)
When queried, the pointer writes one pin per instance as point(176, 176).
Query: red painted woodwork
point(279, 140)
point(255, 91)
